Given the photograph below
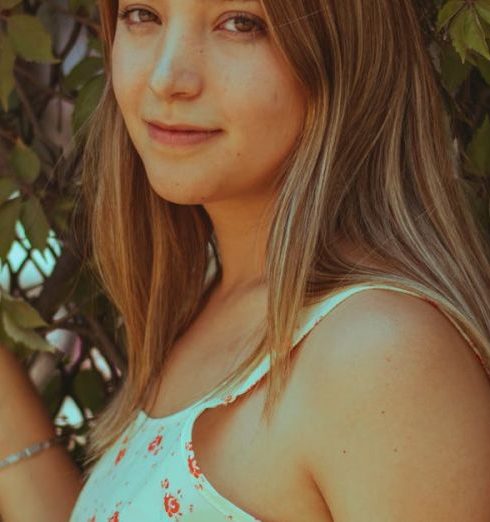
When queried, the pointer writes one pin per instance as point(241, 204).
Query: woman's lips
point(180, 138)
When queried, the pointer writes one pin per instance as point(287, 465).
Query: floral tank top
point(151, 474)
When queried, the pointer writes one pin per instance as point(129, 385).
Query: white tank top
point(151, 473)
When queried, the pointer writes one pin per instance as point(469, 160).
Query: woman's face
point(210, 64)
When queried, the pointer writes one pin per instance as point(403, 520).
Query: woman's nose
point(177, 66)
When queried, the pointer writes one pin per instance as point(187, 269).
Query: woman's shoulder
point(395, 398)
point(371, 323)
point(386, 324)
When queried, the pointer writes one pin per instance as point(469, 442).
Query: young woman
point(275, 211)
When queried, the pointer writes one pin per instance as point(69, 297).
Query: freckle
point(395, 450)
point(383, 412)
point(344, 451)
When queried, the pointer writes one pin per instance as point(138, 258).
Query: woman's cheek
point(127, 89)
point(127, 62)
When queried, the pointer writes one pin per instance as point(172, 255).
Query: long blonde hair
point(374, 164)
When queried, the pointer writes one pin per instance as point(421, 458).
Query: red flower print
point(92, 519)
point(165, 483)
point(115, 517)
point(193, 466)
point(120, 455)
point(188, 446)
point(154, 444)
point(171, 505)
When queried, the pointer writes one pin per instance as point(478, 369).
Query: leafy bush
point(52, 312)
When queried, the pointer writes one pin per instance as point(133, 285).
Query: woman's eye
point(136, 16)
point(244, 23)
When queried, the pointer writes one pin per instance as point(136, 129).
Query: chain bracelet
point(31, 450)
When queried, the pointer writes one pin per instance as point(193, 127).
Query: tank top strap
point(309, 317)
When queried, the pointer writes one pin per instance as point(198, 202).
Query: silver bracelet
point(31, 450)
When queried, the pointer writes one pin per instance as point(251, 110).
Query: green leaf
point(89, 388)
point(7, 61)
point(35, 223)
point(22, 312)
point(453, 71)
point(477, 40)
point(25, 162)
point(467, 34)
point(478, 150)
point(457, 31)
point(30, 39)
point(484, 68)
point(450, 9)
point(24, 336)
point(7, 187)
point(83, 72)
point(483, 9)
point(87, 101)
point(9, 214)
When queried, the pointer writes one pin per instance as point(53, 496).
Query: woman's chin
point(182, 195)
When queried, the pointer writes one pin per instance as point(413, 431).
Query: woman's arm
point(44, 487)
point(400, 416)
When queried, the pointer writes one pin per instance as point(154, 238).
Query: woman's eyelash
point(261, 27)
point(124, 14)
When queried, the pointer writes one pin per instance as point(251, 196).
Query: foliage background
point(53, 314)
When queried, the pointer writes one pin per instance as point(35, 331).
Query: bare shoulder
point(398, 411)
point(378, 326)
